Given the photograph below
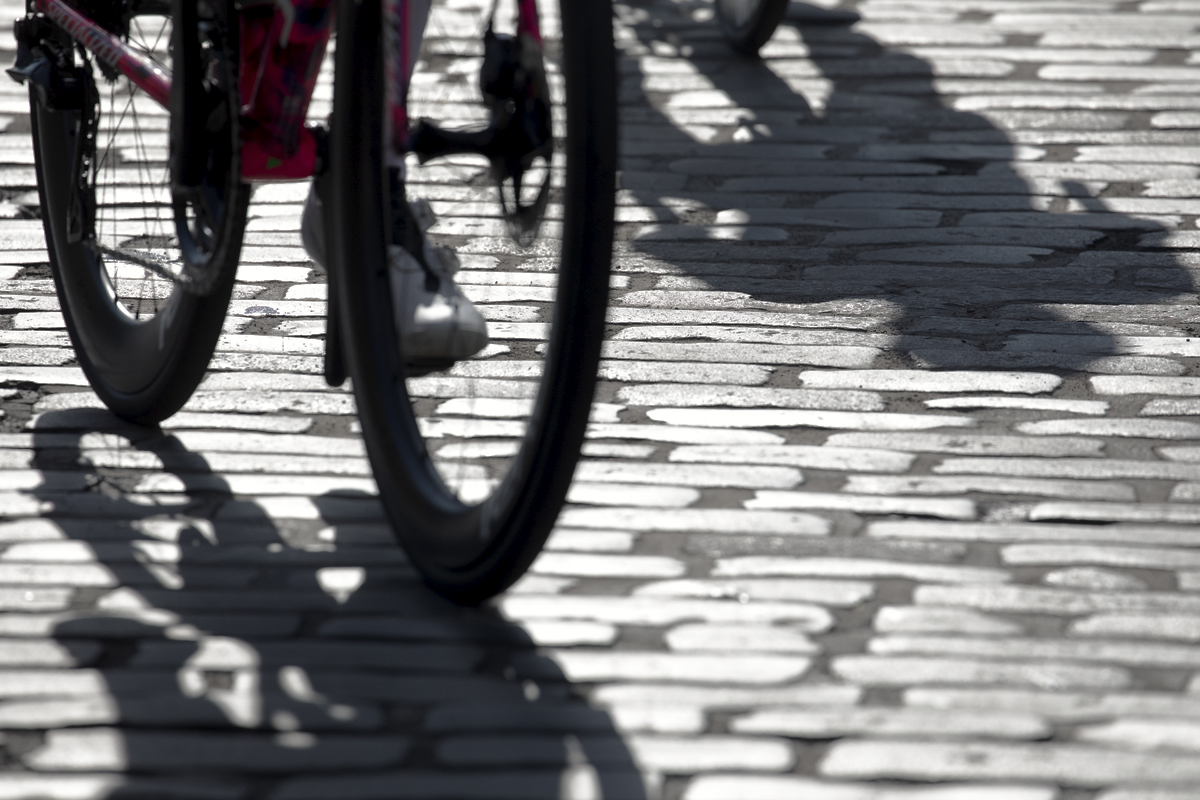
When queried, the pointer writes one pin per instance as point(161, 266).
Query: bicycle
point(151, 118)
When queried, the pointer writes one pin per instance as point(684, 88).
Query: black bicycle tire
point(469, 553)
point(143, 370)
point(750, 36)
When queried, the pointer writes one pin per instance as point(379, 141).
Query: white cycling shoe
point(437, 324)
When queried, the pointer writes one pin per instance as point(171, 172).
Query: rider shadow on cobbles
point(858, 189)
point(222, 653)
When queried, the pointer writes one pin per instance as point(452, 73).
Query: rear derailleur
point(45, 62)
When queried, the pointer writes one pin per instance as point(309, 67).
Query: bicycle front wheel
point(748, 24)
point(473, 464)
point(110, 219)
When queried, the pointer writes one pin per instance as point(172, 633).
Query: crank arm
point(429, 141)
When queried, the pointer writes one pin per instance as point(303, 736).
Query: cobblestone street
point(892, 492)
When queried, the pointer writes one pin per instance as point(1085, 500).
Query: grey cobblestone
point(901, 671)
point(734, 786)
point(1060, 706)
point(1071, 764)
point(819, 724)
point(826, 592)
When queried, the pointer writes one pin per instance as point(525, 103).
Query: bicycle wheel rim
point(471, 547)
point(142, 342)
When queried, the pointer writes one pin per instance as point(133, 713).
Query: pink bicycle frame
point(271, 151)
point(108, 48)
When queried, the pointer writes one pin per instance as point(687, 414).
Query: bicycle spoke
point(133, 230)
point(143, 335)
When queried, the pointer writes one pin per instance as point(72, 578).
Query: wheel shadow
point(222, 651)
point(850, 189)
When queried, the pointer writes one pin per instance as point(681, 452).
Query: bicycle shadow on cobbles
point(222, 653)
point(907, 217)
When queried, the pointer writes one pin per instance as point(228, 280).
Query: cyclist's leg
point(312, 230)
point(437, 323)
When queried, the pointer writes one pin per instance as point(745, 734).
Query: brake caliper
point(44, 62)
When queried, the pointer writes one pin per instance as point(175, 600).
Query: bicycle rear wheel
point(473, 464)
point(107, 209)
point(748, 24)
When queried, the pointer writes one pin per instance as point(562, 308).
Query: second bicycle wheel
point(473, 464)
point(118, 260)
point(748, 24)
